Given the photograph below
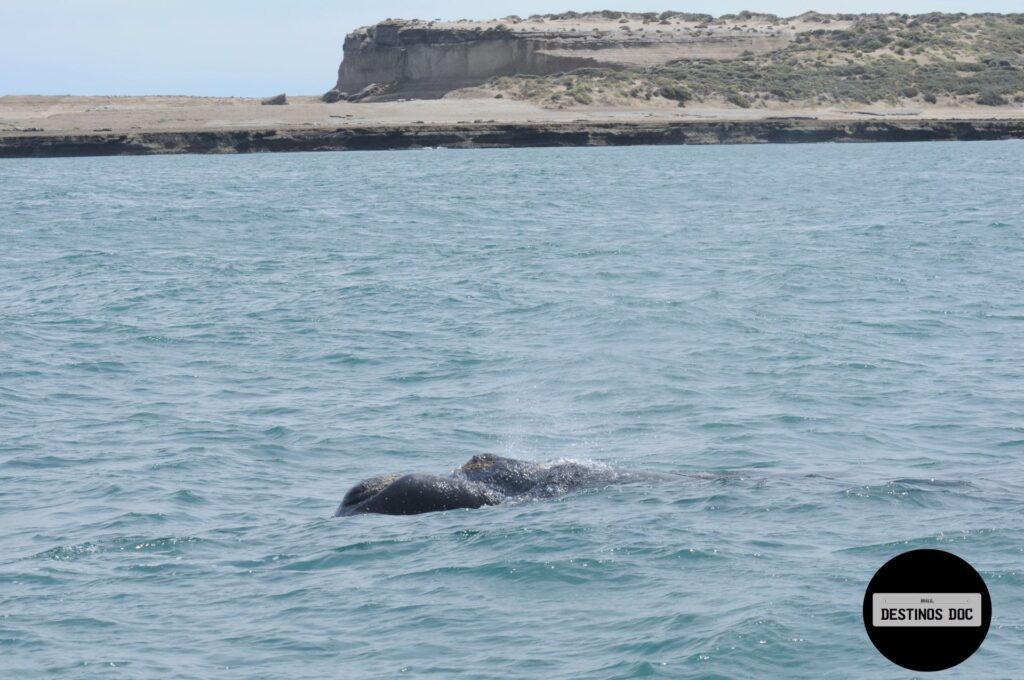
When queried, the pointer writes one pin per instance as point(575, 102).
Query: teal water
point(200, 355)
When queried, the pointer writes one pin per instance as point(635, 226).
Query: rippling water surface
point(199, 355)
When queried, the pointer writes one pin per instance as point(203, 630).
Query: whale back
point(508, 474)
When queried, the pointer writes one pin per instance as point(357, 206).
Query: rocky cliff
point(428, 59)
point(740, 60)
point(417, 60)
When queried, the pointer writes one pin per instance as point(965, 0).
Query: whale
point(483, 480)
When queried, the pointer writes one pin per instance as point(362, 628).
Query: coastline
point(47, 127)
point(483, 136)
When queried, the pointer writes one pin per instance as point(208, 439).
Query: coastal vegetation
point(936, 58)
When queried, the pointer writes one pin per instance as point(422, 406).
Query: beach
point(79, 126)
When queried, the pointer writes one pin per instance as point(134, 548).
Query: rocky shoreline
point(476, 136)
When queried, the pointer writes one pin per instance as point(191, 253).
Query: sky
point(255, 48)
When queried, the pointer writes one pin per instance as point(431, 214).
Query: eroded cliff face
point(429, 59)
point(419, 61)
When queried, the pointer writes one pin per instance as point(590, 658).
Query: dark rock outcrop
point(371, 90)
point(333, 96)
point(489, 135)
point(279, 100)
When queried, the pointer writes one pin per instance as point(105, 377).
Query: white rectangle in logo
point(926, 610)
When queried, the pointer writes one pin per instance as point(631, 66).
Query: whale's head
point(414, 494)
point(362, 492)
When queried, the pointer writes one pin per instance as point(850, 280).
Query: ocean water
point(200, 355)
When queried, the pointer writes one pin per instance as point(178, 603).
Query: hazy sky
point(262, 47)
